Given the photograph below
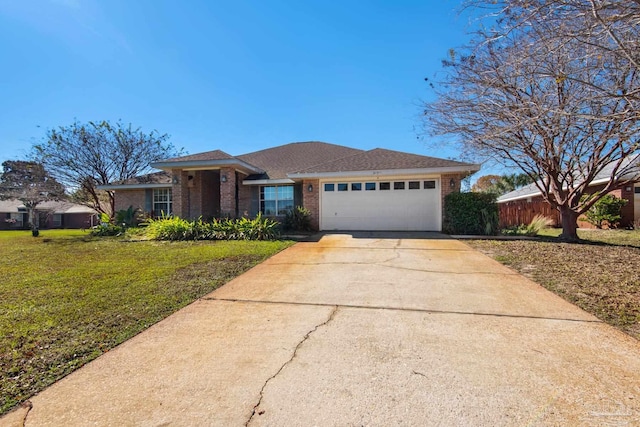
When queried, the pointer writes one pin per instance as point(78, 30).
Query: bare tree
point(533, 94)
point(30, 183)
point(612, 26)
point(84, 156)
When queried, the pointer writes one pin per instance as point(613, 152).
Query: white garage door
point(396, 205)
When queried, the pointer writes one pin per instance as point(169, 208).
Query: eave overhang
point(208, 165)
point(468, 169)
point(132, 186)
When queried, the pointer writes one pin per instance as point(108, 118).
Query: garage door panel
point(415, 209)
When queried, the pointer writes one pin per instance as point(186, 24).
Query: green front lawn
point(66, 298)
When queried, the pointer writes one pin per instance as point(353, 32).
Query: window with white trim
point(162, 202)
point(17, 219)
point(57, 220)
point(276, 200)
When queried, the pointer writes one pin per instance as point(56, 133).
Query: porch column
point(311, 200)
point(180, 193)
point(228, 206)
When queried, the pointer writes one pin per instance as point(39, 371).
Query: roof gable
point(206, 156)
point(162, 177)
point(55, 206)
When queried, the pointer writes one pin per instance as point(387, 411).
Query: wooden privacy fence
point(522, 212)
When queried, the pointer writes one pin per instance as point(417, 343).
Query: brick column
point(228, 192)
point(180, 193)
point(446, 188)
point(627, 212)
point(311, 201)
point(244, 200)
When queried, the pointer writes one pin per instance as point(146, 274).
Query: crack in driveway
point(26, 404)
point(293, 356)
point(384, 263)
point(403, 309)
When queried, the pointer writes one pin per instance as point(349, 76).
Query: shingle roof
point(298, 158)
point(152, 178)
point(60, 207)
point(526, 191)
point(382, 159)
point(628, 170)
point(278, 161)
point(208, 155)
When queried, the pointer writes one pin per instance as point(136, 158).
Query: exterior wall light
point(223, 178)
point(310, 188)
point(175, 179)
point(452, 183)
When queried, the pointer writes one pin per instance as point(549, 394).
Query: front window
point(57, 220)
point(162, 202)
point(276, 200)
point(17, 219)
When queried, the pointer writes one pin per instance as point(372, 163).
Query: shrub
point(607, 210)
point(297, 219)
point(174, 228)
point(106, 229)
point(128, 217)
point(470, 213)
point(170, 228)
point(537, 224)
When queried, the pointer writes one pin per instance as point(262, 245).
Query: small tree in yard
point(607, 210)
point(84, 156)
point(30, 183)
point(500, 184)
point(552, 88)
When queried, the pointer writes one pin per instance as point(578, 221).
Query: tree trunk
point(569, 220)
point(35, 220)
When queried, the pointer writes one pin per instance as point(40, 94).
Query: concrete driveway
point(362, 330)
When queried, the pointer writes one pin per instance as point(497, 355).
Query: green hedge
point(470, 213)
point(606, 211)
point(174, 228)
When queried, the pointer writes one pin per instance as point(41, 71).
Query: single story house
point(344, 188)
point(521, 205)
point(52, 214)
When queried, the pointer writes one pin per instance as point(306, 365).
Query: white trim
point(132, 186)
point(386, 172)
point(205, 164)
point(537, 192)
point(268, 181)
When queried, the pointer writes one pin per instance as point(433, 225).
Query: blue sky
point(236, 75)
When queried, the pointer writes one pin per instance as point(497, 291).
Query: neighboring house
point(343, 188)
point(520, 206)
point(52, 214)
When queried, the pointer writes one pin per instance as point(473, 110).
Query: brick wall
point(311, 201)
point(446, 188)
point(180, 193)
point(126, 198)
point(79, 220)
point(244, 200)
point(228, 193)
point(195, 188)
